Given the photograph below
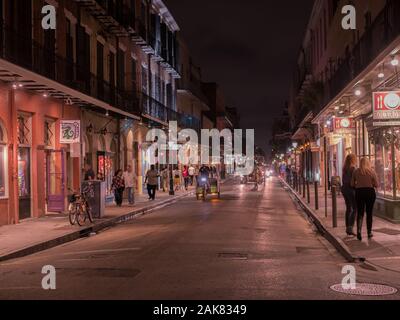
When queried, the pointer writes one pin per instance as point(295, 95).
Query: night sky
point(250, 48)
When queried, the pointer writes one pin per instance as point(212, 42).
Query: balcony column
point(13, 161)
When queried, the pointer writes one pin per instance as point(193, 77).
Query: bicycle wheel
point(81, 216)
point(72, 215)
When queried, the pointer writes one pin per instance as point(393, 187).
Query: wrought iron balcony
point(28, 54)
point(384, 30)
point(157, 111)
point(117, 19)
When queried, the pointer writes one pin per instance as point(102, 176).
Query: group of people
point(358, 189)
point(182, 179)
point(125, 181)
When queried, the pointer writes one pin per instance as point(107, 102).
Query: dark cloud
point(249, 47)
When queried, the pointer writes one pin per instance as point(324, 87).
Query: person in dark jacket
point(349, 193)
point(118, 186)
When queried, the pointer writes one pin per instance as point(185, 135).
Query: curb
point(335, 241)
point(85, 232)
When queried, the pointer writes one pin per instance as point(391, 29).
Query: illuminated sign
point(344, 125)
point(386, 105)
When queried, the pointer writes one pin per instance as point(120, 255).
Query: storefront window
point(3, 164)
point(382, 161)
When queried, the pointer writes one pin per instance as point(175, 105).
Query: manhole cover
point(366, 289)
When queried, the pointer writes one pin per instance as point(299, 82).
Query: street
point(247, 245)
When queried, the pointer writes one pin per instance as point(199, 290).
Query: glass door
point(24, 182)
point(55, 181)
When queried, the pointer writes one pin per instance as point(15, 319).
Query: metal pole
point(326, 177)
point(316, 195)
point(334, 206)
point(304, 186)
point(308, 192)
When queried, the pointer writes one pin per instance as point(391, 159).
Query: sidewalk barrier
point(334, 206)
point(335, 241)
point(316, 195)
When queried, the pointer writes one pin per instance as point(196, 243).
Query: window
point(3, 163)
point(69, 51)
point(49, 140)
point(133, 76)
point(121, 69)
point(24, 130)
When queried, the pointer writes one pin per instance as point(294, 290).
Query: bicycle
point(79, 209)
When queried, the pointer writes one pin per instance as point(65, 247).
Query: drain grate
point(366, 289)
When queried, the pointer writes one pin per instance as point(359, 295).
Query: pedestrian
point(88, 172)
point(118, 186)
point(349, 193)
point(164, 179)
point(365, 180)
point(192, 173)
point(177, 179)
point(152, 182)
point(130, 182)
point(185, 175)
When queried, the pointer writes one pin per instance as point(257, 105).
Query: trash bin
point(96, 194)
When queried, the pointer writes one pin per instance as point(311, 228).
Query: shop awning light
point(358, 92)
point(395, 62)
point(381, 75)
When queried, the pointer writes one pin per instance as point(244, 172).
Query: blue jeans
point(131, 195)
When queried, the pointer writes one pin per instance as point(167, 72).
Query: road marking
point(21, 288)
point(102, 251)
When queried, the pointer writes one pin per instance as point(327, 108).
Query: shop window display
point(385, 147)
point(3, 165)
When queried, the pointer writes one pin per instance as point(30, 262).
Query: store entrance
point(55, 181)
point(24, 182)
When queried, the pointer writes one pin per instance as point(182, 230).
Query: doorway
point(55, 178)
point(24, 183)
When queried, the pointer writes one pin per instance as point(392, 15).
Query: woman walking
point(118, 186)
point(349, 193)
point(185, 175)
point(365, 181)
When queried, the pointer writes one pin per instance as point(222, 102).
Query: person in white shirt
point(192, 173)
point(130, 181)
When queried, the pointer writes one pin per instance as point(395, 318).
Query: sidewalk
point(35, 235)
point(384, 245)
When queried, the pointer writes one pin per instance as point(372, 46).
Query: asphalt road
point(247, 245)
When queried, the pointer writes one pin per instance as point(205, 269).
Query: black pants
point(365, 198)
point(151, 189)
point(118, 193)
point(187, 181)
point(351, 207)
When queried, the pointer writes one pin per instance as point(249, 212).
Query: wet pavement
point(246, 245)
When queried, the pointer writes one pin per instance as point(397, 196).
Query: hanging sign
point(70, 131)
point(386, 105)
point(344, 125)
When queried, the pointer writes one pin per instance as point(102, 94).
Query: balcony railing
point(383, 31)
point(157, 110)
point(121, 13)
point(30, 55)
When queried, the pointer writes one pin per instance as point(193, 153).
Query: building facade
point(103, 77)
point(345, 97)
